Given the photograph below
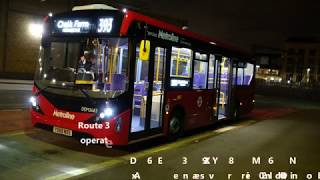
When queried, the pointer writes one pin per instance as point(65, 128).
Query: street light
point(36, 30)
point(308, 75)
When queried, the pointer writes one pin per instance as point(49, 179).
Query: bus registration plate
point(63, 131)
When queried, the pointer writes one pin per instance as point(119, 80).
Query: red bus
point(121, 75)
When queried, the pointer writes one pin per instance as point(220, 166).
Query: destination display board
point(104, 23)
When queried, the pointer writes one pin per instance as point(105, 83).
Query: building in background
point(297, 64)
point(268, 64)
point(20, 24)
point(301, 61)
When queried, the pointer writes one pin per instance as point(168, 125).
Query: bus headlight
point(108, 112)
point(33, 101)
point(35, 104)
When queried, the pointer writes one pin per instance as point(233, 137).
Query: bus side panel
point(245, 95)
point(197, 106)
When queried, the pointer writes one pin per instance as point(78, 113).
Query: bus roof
point(132, 16)
point(93, 7)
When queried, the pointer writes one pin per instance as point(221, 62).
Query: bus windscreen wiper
point(88, 97)
point(40, 91)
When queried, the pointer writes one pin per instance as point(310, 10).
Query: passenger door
point(158, 87)
point(213, 83)
point(224, 87)
point(148, 95)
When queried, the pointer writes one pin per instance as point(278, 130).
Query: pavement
point(16, 81)
point(278, 140)
point(276, 130)
point(280, 129)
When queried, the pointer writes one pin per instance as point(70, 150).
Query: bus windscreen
point(97, 65)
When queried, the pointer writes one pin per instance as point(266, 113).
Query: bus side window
point(235, 67)
point(245, 74)
point(200, 71)
point(212, 76)
point(248, 74)
point(180, 62)
point(180, 68)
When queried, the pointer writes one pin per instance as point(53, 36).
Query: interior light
point(50, 14)
point(213, 43)
point(124, 10)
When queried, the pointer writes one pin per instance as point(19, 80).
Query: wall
point(310, 94)
point(3, 21)
point(18, 49)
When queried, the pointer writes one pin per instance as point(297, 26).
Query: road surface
point(277, 130)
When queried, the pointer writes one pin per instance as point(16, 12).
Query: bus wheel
point(175, 126)
point(235, 113)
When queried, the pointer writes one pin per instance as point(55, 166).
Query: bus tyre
point(175, 126)
point(235, 116)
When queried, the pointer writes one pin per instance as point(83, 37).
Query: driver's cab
point(102, 67)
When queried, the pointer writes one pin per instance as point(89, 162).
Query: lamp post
point(36, 30)
point(308, 76)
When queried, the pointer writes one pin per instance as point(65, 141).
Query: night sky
point(242, 23)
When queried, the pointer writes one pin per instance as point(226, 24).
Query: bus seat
point(224, 76)
point(156, 86)
point(139, 88)
point(107, 87)
point(185, 74)
point(199, 80)
point(137, 97)
point(118, 82)
point(211, 75)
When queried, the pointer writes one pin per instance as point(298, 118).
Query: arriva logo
point(65, 115)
